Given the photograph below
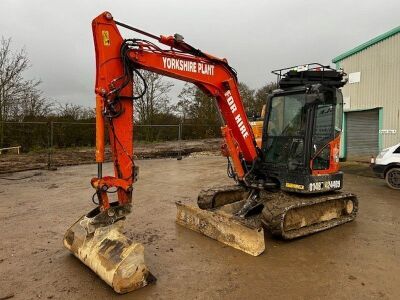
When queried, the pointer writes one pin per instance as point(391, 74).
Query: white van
point(387, 165)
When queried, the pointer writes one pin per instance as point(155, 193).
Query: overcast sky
point(255, 36)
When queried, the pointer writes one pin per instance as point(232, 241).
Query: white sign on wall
point(388, 131)
point(354, 77)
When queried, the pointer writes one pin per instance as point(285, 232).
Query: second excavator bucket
point(222, 225)
point(110, 254)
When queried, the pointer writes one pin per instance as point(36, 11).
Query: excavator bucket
point(222, 225)
point(110, 254)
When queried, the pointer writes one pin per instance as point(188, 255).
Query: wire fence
point(43, 140)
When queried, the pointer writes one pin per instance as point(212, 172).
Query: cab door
point(327, 129)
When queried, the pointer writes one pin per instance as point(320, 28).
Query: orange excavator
point(288, 182)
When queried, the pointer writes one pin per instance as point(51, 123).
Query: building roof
point(365, 45)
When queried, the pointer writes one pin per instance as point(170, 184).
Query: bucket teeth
point(110, 254)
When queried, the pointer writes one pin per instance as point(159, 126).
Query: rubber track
point(207, 197)
point(278, 204)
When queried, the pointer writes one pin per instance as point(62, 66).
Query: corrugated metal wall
point(362, 134)
point(380, 83)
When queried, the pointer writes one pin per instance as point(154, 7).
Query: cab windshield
point(287, 116)
point(286, 130)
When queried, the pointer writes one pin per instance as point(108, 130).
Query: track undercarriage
point(285, 215)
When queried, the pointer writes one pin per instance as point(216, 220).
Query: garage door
point(362, 134)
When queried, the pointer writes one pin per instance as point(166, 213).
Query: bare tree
point(196, 107)
point(254, 100)
point(184, 107)
point(33, 105)
point(247, 95)
point(260, 97)
point(18, 97)
point(12, 86)
point(74, 112)
point(155, 98)
point(198, 112)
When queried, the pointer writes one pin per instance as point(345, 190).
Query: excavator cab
point(297, 174)
point(302, 130)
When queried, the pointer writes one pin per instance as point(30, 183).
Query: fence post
point(1, 133)
point(179, 142)
point(48, 146)
point(50, 132)
point(52, 135)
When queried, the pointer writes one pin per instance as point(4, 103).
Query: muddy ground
point(58, 157)
point(358, 260)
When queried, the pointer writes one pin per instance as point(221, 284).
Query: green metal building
point(372, 96)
